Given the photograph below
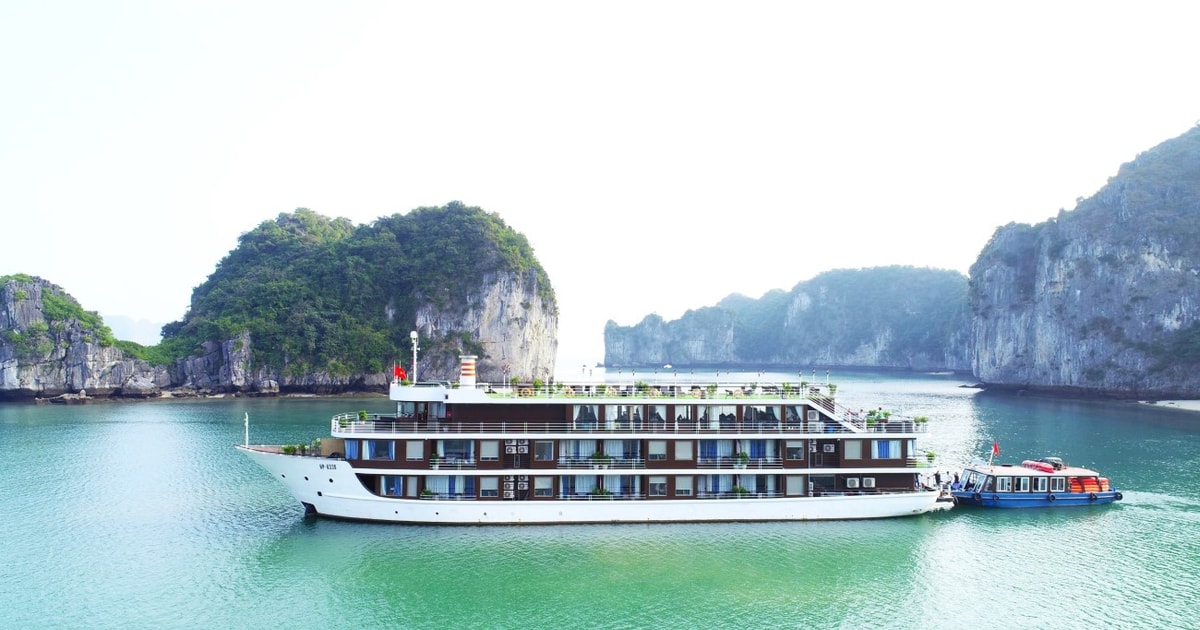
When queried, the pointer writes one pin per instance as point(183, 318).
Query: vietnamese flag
point(399, 372)
point(995, 448)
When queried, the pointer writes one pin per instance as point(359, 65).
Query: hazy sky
point(658, 155)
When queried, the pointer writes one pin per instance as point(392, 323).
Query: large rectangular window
point(885, 449)
point(683, 450)
point(1039, 484)
point(853, 449)
point(1003, 484)
point(1022, 484)
point(380, 449)
point(1058, 484)
point(414, 450)
point(658, 449)
point(489, 486)
point(489, 451)
point(683, 486)
point(543, 486)
point(796, 485)
point(543, 451)
point(658, 486)
point(794, 449)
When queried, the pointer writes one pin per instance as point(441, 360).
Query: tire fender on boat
point(1091, 496)
point(1118, 496)
point(995, 497)
point(1051, 498)
point(977, 496)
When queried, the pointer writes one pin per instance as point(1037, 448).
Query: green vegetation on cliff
point(320, 294)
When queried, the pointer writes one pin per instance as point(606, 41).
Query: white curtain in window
point(614, 448)
point(724, 448)
point(440, 485)
point(584, 484)
point(612, 483)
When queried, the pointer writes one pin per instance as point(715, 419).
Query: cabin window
point(658, 449)
point(1003, 484)
point(852, 449)
point(489, 486)
point(658, 486)
point(380, 449)
point(683, 486)
point(795, 450)
point(760, 417)
point(656, 416)
point(796, 486)
point(543, 486)
point(683, 413)
point(410, 487)
point(683, 450)
point(1039, 484)
point(1021, 484)
point(585, 416)
point(885, 449)
point(1058, 484)
point(791, 417)
point(713, 450)
point(393, 486)
point(489, 451)
point(543, 451)
point(414, 450)
point(620, 416)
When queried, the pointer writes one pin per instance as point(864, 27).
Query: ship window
point(885, 449)
point(658, 449)
point(380, 449)
point(410, 487)
point(543, 451)
point(489, 486)
point(683, 486)
point(585, 416)
point(414, 450)
point(1058, 484)
point(795, 449)
point(393, 486)
point(543, 486)
point(796, 486)
point(1021, 484)
point(658, 486)
point(853, 449)
point(489, 450)
point(683, 413)
point(1003, 484)
point(683, 450)
point(1039, 484)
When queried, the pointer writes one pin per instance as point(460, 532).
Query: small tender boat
point(1045, 482)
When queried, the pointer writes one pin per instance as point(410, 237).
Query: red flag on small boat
point(995, 448)
point(399, 372)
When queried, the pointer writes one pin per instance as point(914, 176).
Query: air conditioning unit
point(829, 448)
point(868, 482)
point(813, 415)
point(852, 482)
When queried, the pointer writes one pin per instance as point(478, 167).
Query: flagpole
point(246, 423)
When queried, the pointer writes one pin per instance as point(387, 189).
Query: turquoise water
point(142, 515)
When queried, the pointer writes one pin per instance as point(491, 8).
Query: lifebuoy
point(1051, 498)
point(1091, 496)
point(1118, 496)
point(995, 497)
point(977, 496)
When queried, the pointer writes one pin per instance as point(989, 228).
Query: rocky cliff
point(50, 346)
point(1104, 298)
point(892, 317)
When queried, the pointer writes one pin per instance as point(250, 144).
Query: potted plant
point(739, 492)
point(743, 459)
point(832, 390)
point(434, 460)
point(426, 493)
point(600, 460)
point(929, 455)
point(362, 415)
point(712, 390)
point(289, 449)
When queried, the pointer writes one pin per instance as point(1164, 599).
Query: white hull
point(331, 487)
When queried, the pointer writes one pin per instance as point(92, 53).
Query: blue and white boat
point(1046, 482)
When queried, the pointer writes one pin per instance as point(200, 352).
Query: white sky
point(658, 155)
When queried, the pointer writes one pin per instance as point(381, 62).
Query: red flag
point(995, 448)
point(399, 372)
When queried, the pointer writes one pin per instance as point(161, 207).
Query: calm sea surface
point(142, 515)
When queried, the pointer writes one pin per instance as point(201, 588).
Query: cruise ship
point(635, 452)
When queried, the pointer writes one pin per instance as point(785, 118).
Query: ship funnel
point(466, 374)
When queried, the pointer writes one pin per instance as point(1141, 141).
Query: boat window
point(713, 450)
point(585, 416)
point(683, 413)
point(1003, 484)
point(393, 486)
point(683, 450)
point(489, 486)
point(1022, 484)
point(988, 484)
point(796, 485)
point(683, 486)
point(543, 451)
point(761, 416)
point(656, 416)
point(795, 449)
point(457, 450)
point(852, 449)
point(658, 486)
point(406, 409)
point(791, 417)
point(489, 450)
point(414, 450)
point(620, 416)
point(885, 449)
point(658, 449)
point(543, 486)
point(1058, 484)
point(1039, 484)
point(380, 449)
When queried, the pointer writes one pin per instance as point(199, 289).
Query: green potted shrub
point(739, 491)
point(362, 415)
point(289, 449)
point(743, 459)
point(434, 460)
point(426, 493)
